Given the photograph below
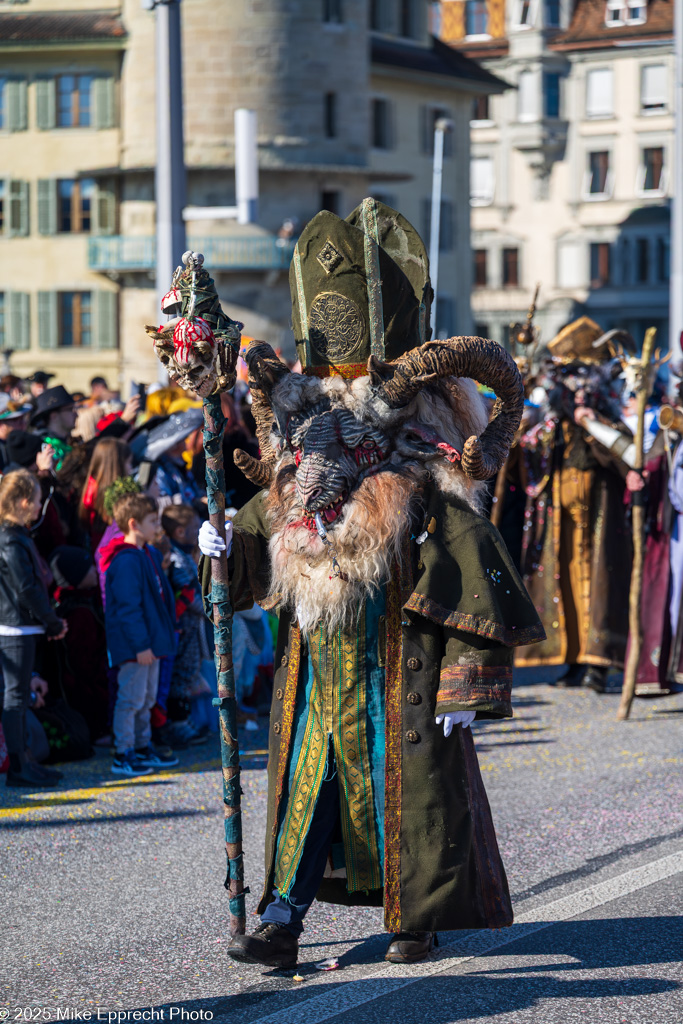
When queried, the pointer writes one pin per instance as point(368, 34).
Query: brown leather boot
point(270, 944)
point(409, 947)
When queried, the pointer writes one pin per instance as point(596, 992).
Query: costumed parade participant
point(576, 553)
point(399, 606)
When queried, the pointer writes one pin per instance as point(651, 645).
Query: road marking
point(384, 980)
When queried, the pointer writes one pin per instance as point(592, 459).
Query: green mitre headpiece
point(360, 287)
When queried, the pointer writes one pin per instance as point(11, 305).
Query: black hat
point(22, 447)
point(70, 565)
point(51, 401)
point(40, 377)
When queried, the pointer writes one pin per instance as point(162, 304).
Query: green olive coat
point(455, 613)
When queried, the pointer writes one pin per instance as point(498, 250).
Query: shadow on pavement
point(593, 864)
point(593, 945)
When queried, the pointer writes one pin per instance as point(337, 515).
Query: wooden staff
point(638, 523)
point(201, 309)
point(226, 702)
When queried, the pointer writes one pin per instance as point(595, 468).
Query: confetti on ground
point(327, 965)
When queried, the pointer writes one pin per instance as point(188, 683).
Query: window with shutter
point(381, 123)
point(3, 206)
point(600, 264)
point(17, 217)
point(75, 319)
point(15, 104)
point(46, 103)
point(599, 93)
point(510, 268)
point(599, 175)
point(446, 226)
point(74, 101)
point(651, 175)
point(17, 324)
point(480, 269)
point(3, 103)
point(527, 96)
point(48, 326)
point(105, 319)
point(104, 210)
point(75, 202)
point(570, 256)
point(653, 98)
point(481, 181)
point(103, 101)
point(47, 206)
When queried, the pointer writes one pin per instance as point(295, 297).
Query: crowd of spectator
point(103, 638)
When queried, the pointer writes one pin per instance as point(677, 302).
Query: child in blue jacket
point(140, 624)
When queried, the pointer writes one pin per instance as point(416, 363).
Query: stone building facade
point(571, 170)
point(345, 90)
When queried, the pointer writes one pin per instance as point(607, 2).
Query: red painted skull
point(193, 340)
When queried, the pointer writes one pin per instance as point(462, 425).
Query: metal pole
point(246, 166)
point(170, 165)
point(442, 126)
point(676, 278)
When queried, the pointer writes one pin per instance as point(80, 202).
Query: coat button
point(414, 664)
point(279, 693)
point(412, 736)
point(284, 659)
point(414, 698)
point(277, 727)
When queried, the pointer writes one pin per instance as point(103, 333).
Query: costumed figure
point(399, 606)
point(660, 667)
point(576, 553)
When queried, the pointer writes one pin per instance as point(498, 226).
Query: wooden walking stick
point(643, 386)
point(199, 349)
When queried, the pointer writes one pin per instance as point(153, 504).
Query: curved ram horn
point(265, 370)
point(484, 361)
point(255, 470)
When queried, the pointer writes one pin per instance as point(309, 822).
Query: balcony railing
point(131, 253)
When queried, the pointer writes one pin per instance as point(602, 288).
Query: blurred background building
point(571, 170)
point(346, 93)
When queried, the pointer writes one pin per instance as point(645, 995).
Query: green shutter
point(17, 321)
point(103, 101)
point(104, 210)
point(105, 319)
point(17, 222)
point(16, 105)
point(47, 206)
point(48, 326)
point(46, 103)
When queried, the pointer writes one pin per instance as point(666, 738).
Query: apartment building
point(571, 170)
point(346, 93)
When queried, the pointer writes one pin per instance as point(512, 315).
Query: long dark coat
point(455, 612)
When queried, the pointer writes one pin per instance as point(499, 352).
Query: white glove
point(211, 542)
point(463, 718)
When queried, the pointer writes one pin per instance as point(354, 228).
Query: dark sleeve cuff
point(485, 689)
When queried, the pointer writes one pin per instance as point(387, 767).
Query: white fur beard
point(365, 546)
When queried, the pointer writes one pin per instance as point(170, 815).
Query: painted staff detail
point(199, 349)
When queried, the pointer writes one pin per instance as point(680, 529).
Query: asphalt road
point(112, 897)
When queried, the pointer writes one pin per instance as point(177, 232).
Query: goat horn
point(484, 361)
point(256, 470)
point(265, 370)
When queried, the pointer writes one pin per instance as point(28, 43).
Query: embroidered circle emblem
point(335, 325)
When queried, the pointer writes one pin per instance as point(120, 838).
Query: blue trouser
point(290, 912)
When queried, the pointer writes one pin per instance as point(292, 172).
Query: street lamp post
point(170, 163)
point(676, 278)
point(442, 126)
